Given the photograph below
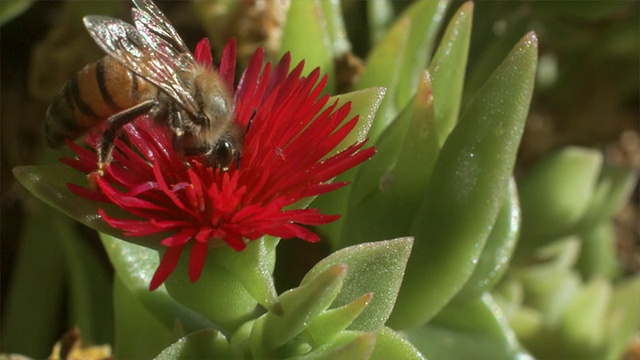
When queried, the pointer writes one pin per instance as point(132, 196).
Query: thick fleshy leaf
point(387, 190)
point(393, 345)
point(448, 68)
point(135, 266)
point(475, 330)
point(334, 25)
point(205, 344)
point(494, 260)
point(467, 189)
point(29, 327)
point(364, 103)
point(49, 184)
point(582, 322)
point(379, 17)
point(348, 345)
point(397, 61)
point(556, 194)
point(332, 321)
point(383, 69)
point(306, 24)
point(599, 253)
point(13, 8)
point(220, 293)
point(615, 185)
point(550, 285)
point(299, 307)
point(623, 318)
point(425, 17)
point(139, 332)
point(373, 268)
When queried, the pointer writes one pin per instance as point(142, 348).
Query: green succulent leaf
point(348, 345)
point(393, 345)
point(582, 321)
point(598, 253)
point(231, 284)
point(13, 8)
point(373, 268)
point(338, 40)
point(306, 24)
point(613, 189)
point(383, 198)
point(420, 44)
point(28, 324)
point(326, 325)
point(134, 266)
point(466, 189)
point(364, 103)
point(300, 306)
point(139, 333)
point(447, 70)
point(397, 61)
point(623, 317)
point(556, 194)
point(476, 329)
point(49, 184)
point(205, 344)
point(494, 260)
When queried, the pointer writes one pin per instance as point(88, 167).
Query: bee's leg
point(115, 122)
point(176, 124)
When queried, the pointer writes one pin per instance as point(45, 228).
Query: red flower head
point(284, 159)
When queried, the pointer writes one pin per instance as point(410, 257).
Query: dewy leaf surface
point(466, 189)
point(373, 268)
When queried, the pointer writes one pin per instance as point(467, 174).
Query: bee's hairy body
point(148, 70)
point(96, 92)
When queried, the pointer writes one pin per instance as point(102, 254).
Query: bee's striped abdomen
point(95, 93)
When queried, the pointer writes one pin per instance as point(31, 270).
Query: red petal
point(196, 260)
point(202, 54)
point(227, 68)
point(168, 263)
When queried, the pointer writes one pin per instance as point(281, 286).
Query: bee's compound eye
point(224, 154)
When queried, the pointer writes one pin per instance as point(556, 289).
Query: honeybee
point(148, 70)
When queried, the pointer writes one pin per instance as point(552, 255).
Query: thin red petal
point(168, 263)
point(196, 260)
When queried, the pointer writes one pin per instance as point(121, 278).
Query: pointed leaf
point(332, 321)
point(556, 194)
point(348, 345)
point(306, 24)
point(139, 333)
point(448, 69)
point(623, 318)
point(135, 266)
point(466, 189)
point(494, 260)
point(49, 184)
point(373, 268)
point(392, 345)
point(475, 330)
point(220, 293)
point(301, 305)
point(387, 189)
point(205, 344)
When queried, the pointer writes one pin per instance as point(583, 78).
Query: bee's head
point(226, 150)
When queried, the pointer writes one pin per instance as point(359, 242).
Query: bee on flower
point(275, 144)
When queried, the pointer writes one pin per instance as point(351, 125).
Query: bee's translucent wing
point(127, 45)
point(158, 31)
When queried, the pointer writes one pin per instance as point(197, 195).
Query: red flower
point(284, 159)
